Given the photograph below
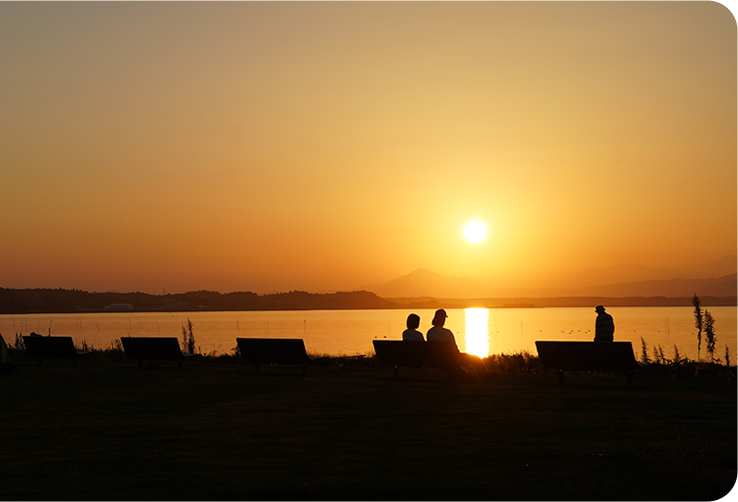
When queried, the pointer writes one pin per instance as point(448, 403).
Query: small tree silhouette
point(697, 322)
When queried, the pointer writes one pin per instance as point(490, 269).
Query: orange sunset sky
point(274, 146)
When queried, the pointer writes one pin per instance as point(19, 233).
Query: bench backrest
point(50, 346)
point(155, 348)
point(273, 350)
point(416, 354)
point(587, 356)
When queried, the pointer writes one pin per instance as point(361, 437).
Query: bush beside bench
point(407, 354)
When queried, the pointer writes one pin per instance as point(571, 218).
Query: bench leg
point(396, 371)
point(561, 376)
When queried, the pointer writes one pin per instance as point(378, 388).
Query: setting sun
point(475, 231)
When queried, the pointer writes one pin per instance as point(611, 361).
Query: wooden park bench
point(53, 346)
point(258, 351)
point(154, 349)
point(587, 356)
point(406, 354)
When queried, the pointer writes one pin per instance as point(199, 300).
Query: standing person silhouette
point(411, 334)
point(440, 334)
point(604, 325)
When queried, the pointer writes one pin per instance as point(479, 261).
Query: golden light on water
point(476, 332)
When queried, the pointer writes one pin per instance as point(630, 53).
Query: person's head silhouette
point(413, 321)
point(439, 319)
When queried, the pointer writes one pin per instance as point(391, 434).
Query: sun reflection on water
point(476, 331)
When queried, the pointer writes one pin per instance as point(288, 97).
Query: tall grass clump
point(710, 336)
point(658, 355)
point(115, 352)
point(697, 322)
point(216, 358)
point(188, 338)
point(705, 323)
point(522, 362)
point(677, 356)
point(344, 361)
point(683, 368)
point(644, 352)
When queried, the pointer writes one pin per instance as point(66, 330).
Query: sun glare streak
point(475, 231)
point(476, 331)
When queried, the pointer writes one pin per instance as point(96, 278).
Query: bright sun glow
point(475, 231)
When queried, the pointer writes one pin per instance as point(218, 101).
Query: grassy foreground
point(111, 431)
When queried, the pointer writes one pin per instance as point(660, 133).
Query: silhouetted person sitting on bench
point(411, 334)
point(440, 334)
point(604, 326)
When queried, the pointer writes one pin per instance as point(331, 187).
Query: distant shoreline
point(55, 301)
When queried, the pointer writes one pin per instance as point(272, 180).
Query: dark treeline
point(16, 301)
point(64, 300)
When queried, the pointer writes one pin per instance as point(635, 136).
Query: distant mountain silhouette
point(720, 286)
point(425, 283)
point(635, 272)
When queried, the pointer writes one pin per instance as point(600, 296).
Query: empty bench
point(53, 346)
point(258, 351)
point(406, 354)
point(587, 356)
point(154, 349)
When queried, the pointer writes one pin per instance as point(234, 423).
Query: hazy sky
point(273, 146)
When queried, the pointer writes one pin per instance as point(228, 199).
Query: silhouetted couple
point(470, 365)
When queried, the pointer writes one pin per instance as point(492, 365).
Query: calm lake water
point(349, 332)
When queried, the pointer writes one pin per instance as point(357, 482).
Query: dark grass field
point(111, 431)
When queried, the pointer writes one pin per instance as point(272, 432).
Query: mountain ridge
point(426, 283)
